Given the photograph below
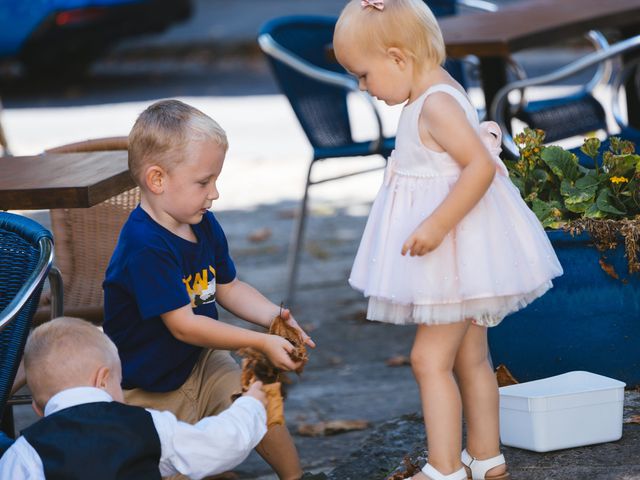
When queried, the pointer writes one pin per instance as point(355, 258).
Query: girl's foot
point(430, 473)
point(493, 468)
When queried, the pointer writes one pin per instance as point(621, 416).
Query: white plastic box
point(568, 410)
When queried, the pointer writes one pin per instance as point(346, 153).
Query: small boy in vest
point(74, 373)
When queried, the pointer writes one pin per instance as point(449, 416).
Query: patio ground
point(347, 377)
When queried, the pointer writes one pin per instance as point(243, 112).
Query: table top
point(62, 180)
point(531, 23)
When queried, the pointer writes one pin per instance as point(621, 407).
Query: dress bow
point(491, 136)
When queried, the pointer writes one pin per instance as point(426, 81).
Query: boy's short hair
point(162, 133)
point(405, 24)
point(63, 353)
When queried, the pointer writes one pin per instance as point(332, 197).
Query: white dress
point(497, 260)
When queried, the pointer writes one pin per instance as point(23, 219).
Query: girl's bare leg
point(278, 450)
point(480, 398)
point(432, 358)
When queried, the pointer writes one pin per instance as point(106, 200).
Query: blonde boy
point(169, 270)
point(74, 374)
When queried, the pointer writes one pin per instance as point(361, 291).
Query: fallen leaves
point(398, 361)
point(608, 268)
point(331, 427)
point(410, 469)
point(633, 419)
point(256, 366)
point(259, 235)
point(504, 376)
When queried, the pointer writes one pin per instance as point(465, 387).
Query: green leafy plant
point(603, 199)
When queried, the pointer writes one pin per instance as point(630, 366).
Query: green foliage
point(559, 190)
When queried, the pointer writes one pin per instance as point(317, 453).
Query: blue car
point(49, 36)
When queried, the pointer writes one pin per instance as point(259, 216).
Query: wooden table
point(62, 180)
point(493, 36)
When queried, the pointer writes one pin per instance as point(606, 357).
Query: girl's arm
point(204, 331)
point(449, 128)
point(246, 302)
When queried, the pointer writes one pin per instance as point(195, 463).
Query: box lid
point(568, 390)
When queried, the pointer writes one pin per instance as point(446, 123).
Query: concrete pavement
point(347, 377)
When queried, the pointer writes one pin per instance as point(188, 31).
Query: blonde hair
point(64, 353)
point(405, 24)
point(163, 132)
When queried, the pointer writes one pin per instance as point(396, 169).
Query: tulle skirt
point(497, 260)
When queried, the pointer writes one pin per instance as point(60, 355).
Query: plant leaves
point(623, 165)
point(562, 163)
point(608, 203)
point(594, 212)
point(547, 211)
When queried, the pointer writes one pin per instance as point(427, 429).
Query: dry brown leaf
point(259, 235)
point(275, 406)
point(331, 427)
point(608, 268)
point(410, 469)
point(256, 366)
point(633, 419)
point(280, 327)
point(504, 376)
point(398, 361)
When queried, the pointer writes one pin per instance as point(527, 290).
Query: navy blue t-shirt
point(153, 271)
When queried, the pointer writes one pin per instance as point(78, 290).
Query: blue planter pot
point(587, 321)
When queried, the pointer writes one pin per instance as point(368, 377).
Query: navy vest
point(97, 441)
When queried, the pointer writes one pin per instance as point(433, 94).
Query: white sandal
point(479, 468)
point(434, 474)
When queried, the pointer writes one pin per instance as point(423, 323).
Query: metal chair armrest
point(481, 5)
point(616, 85)
point(347, 82)
point(497, 107)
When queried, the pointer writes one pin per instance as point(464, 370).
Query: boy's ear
point(36, 408)
point(398, 56)
point(101, 377)
point(154, 179)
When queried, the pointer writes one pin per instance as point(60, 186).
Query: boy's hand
point(424, 239)
point(277, 351)
point(287, 317)
point(255, 391)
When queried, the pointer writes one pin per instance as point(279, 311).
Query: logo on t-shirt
point(200, 288)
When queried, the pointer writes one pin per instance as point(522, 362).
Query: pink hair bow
point(377, 4)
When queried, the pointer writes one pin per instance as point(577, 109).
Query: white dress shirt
point(213, 445)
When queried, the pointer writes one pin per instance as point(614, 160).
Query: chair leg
point(57, 292)
point(296, 243)
point(7, 424)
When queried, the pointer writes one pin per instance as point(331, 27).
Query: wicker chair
point(85, 239)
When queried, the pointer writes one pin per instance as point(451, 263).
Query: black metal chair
point(577, 114)
point(299, 50)
point(26, 257)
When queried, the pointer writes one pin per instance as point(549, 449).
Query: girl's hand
point(287, 317)
point(426, 238)
point(277, 351)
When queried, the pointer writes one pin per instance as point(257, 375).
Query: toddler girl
point(449, 244)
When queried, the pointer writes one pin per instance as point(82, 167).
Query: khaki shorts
point(207, 391)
